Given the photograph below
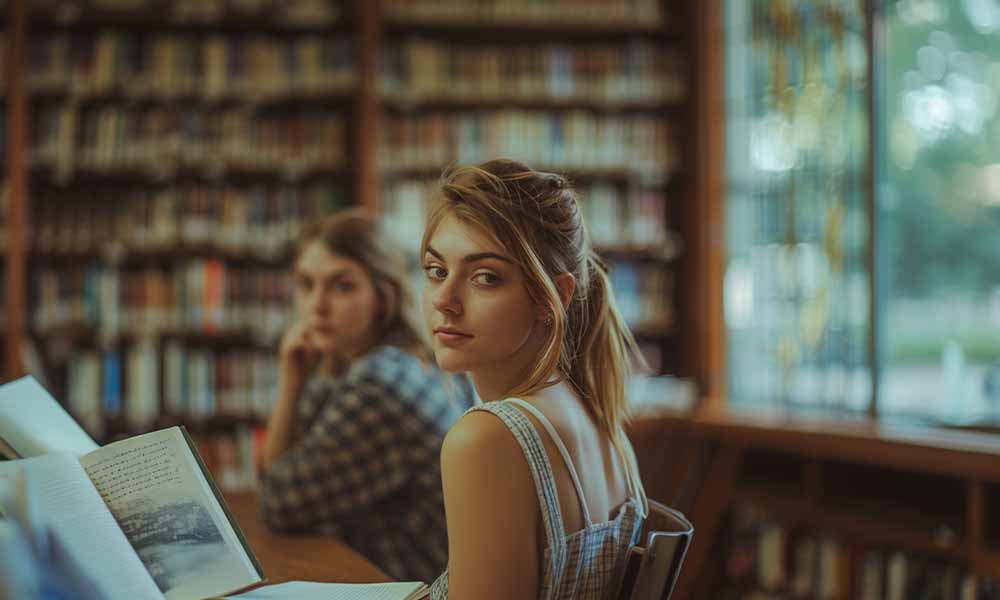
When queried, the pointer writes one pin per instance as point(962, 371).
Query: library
point(794, 209)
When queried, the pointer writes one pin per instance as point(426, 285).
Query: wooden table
point(286, 557)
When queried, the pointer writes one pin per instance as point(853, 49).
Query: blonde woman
point(541, 489)
point(352, 447)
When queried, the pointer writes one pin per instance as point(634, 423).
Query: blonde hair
point(354, 234)
point(535, 216)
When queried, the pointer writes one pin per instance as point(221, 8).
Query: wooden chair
point(652, 575)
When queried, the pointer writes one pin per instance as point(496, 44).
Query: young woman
point(353, 445)
point(541, 488)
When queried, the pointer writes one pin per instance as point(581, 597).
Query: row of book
point(615, 216)
point(643, 293)
point(258, 220)
point(197, 384)
point(566, 140)
point(289, 13)
point(202, 66)
point(231, 455)
point(775, 561)
point(418, 69)
point(199, 296)
point(161, 140)
point(601, 11)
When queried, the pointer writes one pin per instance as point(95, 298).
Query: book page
point(311, 590)
point(33, 423)
point(68, 503)
point(156, 491)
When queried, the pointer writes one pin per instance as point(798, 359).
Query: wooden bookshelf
point(927, 493)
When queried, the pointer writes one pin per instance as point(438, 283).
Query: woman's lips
point(450, 337)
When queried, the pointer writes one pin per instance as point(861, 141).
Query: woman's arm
point(296, 358)
point(492, 512)
point(280, 425)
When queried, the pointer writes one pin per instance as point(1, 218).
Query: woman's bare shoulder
point(479, 437)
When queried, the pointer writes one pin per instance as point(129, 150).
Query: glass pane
point(939, 212)
point(796, 289)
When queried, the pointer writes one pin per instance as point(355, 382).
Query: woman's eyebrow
point(332, 275)
point(469, 258)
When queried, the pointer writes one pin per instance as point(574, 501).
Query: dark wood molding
point(366, 121)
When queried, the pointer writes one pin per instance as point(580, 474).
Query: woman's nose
point(319, 304)
point(446, 298)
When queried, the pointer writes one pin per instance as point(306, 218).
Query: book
point(32, 423)
point(145, 509)
point(651, 571)
point(309, 590)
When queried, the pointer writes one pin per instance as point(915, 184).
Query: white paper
point(76, 515)
point(309, 590)
point(33, 423)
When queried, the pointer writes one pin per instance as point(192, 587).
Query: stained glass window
point(797, 277)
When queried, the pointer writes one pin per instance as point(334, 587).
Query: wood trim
point(964, 454)
point(976, 524)
point(366, 121)
point(709, 508)
point(17, 187)
point(876, 48)
point(704, 341)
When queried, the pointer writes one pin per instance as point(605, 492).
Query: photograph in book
point(173, 539)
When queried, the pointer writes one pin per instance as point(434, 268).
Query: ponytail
point(598, 368)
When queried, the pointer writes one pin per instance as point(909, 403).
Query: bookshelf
point(162, 155)
point(173, 152)
point(597, 91)
point(808, 508)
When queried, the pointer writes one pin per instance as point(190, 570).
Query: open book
point(144, 511)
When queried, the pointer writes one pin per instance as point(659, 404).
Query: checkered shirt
point(366, 463)
point(584, 565)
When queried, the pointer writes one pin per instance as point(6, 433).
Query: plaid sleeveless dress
point(584, 565)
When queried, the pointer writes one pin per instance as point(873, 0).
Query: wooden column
point(367, 108)
point(17, 188)
point(703, 220)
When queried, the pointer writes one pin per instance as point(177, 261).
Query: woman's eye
point(435, 272)
point(303, 284)
point(344, 286)
point(486, 278)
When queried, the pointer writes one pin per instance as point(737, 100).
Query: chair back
point(653, 569)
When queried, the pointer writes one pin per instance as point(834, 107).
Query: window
point(864, 280)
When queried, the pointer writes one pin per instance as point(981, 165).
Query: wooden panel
point(976, 516)
point(366, 120)
point(713, 500)
point(703, 220)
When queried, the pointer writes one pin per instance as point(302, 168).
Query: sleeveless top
point(584, 565)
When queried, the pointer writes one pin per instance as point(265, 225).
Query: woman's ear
point(566, 285)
